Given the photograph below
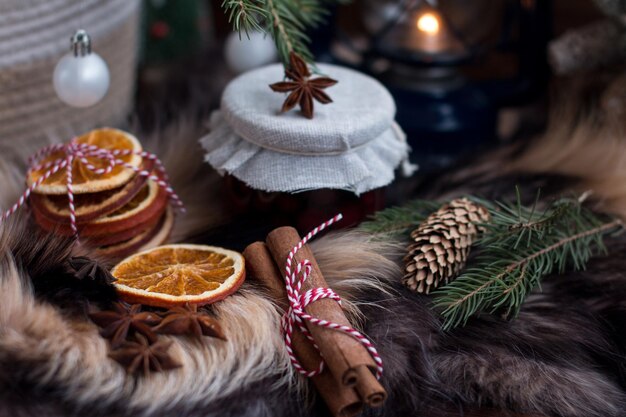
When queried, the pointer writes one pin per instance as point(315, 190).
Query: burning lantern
point(427, 53)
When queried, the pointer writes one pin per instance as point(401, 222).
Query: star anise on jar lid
point(143, 355)
point(302, 88)
point(117, 323)
point(189, 321)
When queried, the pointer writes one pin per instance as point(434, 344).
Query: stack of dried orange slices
point(119, 212)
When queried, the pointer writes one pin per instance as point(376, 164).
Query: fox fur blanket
point(563, 356)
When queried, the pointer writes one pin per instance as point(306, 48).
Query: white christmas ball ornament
point(243, 54)
point(81, 81)
point(81, 78)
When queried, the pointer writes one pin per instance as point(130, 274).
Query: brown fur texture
point(563, 356)
point(43, 349)
point(581, 151)
point(197, 184)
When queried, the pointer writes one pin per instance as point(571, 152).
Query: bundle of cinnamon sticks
point(347, 382)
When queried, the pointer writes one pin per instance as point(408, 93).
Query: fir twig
point(245, 15)
point(288, 28)
point(287, 21)
point(398, 221)
point(517, 249)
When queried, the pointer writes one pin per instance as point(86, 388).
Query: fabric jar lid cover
point(249, 126)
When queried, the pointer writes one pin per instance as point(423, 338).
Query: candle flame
point(428, 23)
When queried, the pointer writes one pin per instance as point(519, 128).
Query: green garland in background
point(287, 21)
point(518, 247)
point(173, 29)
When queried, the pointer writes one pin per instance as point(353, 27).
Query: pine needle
point(518, 248)
point(399, 221)
point(245, 15)
point(287, 21)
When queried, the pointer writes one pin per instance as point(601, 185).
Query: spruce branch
point(518, 248)
point(245, 15)
point(288, 27)
point(287, 21)
point(398, 221)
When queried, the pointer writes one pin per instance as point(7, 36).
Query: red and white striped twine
point(77, 151)
point(296, 315)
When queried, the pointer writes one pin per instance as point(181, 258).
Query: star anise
point(302, 89)
point(117, 323)
point(188, 320)
point(145, 356)
point(86, 268)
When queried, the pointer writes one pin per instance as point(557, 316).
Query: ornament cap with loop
point(80, 43)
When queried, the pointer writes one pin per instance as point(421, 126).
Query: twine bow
point(77, 151)
point(296, 316)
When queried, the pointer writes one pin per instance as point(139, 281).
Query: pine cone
point(442, 244)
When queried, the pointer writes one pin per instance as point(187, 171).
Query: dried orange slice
point(147, 206)
point(89, 206)
point(84, 180)
point(122, 246)
point(177, 274)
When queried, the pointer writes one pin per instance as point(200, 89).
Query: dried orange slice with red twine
point(85, 180)
point(179, 274)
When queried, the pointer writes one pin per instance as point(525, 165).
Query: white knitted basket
point(34, 35)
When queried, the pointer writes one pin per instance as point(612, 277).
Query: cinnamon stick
point(260, 266)
point(342, 401)
point(371, 394)
point(343, 354)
